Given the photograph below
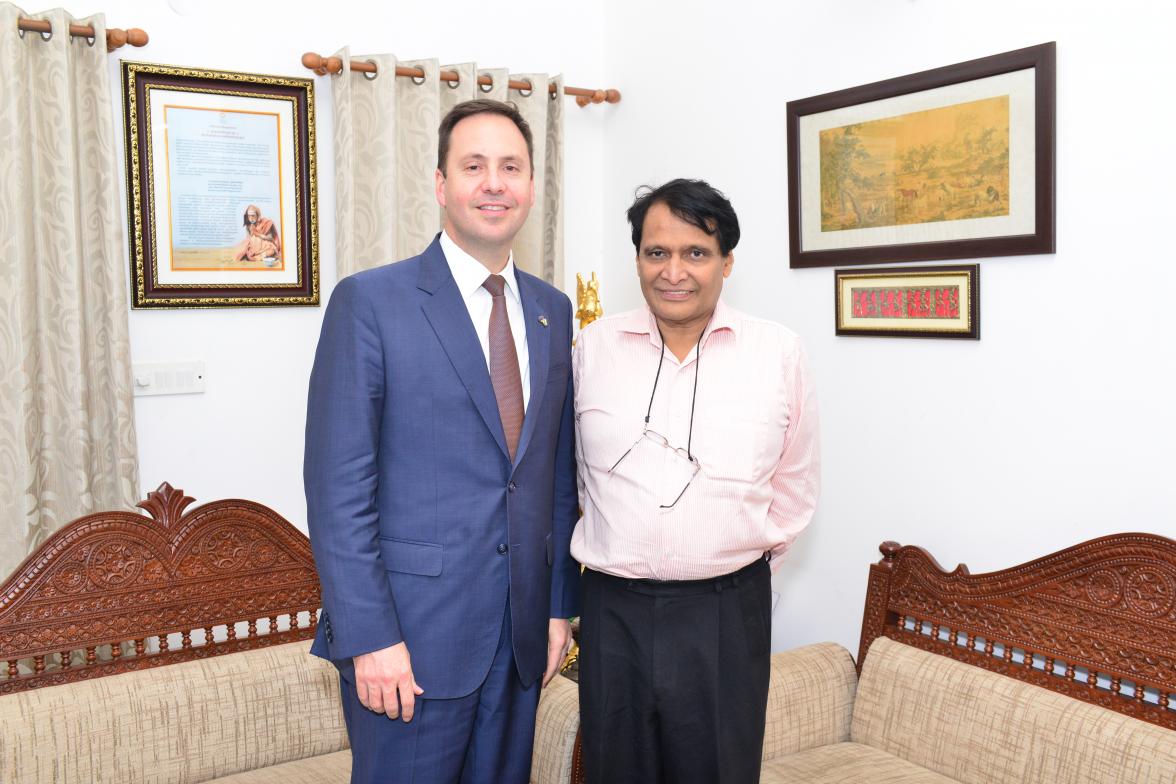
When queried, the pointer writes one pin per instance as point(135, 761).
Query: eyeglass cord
point(693, 395)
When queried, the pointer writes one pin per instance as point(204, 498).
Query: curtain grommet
point(528, 91)
point(372, 75)
point(419, 80)
point(486, 87)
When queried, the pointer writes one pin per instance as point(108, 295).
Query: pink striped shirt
point(755, 438)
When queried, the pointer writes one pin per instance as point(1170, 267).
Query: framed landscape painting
point(957, 162)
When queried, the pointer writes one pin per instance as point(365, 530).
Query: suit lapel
point(539, 355)
point(450, 320)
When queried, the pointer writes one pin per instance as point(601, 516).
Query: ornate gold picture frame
point(221, 188)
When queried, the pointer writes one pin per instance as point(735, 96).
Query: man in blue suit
point(440, 480)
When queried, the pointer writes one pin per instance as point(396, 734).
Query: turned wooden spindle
point(1091, 678)
point(115, 650)
point(38, 665)
point(935, 632)
point(1139, 692)
point(140, 647)
point(1070, 671)
point(231, 630)
point(988, 647)
point(273, 624)
point(1008, 653)
point(91, 656)
point(252, 632)
point(1116, 684)
point(1164, 700)
point(66, 659)
point(293, 620)
point(1028, 660)
point(186, 640)
point(208, 635)
point(1049, 666)
point(163, 643)
point(12, 670)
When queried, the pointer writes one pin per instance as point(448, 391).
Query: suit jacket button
point(502, 549)
point(512, 487)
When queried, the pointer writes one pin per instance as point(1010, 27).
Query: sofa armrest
point(810, 699)
point(556, 727)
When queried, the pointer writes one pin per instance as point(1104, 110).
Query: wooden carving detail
point(119, 591)
point(1096, 621)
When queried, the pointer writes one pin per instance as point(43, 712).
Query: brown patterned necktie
point(504, 365)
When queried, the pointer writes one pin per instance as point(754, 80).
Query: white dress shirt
point(745, 407)
point(470, 274)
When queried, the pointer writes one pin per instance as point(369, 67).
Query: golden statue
point(588, 307)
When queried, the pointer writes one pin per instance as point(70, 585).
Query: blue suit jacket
point(410, 491)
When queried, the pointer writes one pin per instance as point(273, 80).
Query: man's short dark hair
point(481, 106)
point(693, 201)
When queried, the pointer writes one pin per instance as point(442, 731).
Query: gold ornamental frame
point(221, 188)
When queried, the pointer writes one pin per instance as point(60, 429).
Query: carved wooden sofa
point(1058, 671)
point(202, 620)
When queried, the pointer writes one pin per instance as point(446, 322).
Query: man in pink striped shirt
point(697, 474)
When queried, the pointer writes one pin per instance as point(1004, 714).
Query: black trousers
point(674, 678)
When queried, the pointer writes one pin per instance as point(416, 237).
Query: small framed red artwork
point(910, 302)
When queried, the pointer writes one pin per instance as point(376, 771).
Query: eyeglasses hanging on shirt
point(693, 466)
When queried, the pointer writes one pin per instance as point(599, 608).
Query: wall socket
point(168, 378)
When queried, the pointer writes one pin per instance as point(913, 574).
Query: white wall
point(243, 437)
point(1058, 424)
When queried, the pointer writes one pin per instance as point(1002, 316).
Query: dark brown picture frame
point(1042, 59)
point(908, 302)
point(208, 288)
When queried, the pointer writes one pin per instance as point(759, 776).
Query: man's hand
point(384, 682)
point(559, 642)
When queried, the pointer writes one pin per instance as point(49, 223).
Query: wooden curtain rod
point(333, 65)
point(115, 37)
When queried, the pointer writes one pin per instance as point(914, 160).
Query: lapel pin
point(543, 320)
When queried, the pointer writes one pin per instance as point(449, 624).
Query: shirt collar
point(642, 322)
point(470, 274)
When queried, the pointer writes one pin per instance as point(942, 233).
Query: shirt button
point(512, 487)
point(502, 549)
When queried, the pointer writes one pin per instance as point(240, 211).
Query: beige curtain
point(67, 438)
point(386, 154)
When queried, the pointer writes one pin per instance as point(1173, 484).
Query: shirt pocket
point(601, 438)
point(730, 447)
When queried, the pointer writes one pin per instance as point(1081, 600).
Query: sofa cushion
point(556, 726)
point(325, 769)
point(176, 724)
point(846, 763)
point(810, 699)
point(979, 727)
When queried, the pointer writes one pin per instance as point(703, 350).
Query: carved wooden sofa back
point(118, 591)
point(1096, 622)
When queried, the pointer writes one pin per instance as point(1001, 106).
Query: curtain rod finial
point(322, 65)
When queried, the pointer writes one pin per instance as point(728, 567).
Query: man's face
point(251, 216)
point(681, 269)
point(487, 189)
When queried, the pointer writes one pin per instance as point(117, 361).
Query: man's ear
point(728, 263)
point(439, 187)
